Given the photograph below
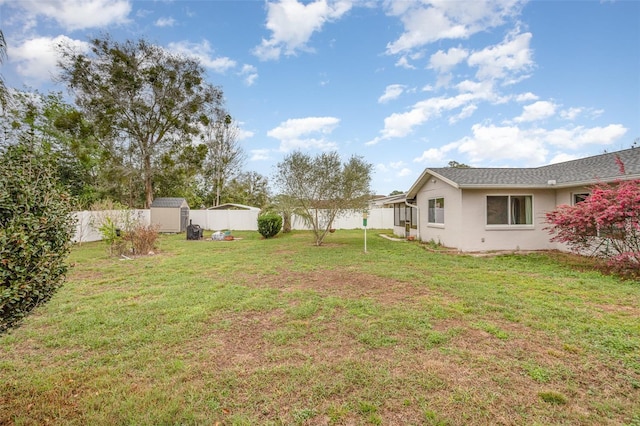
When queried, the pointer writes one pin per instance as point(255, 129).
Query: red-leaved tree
point(606, 225)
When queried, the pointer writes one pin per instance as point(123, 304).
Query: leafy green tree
point(50, 123)
point(286, 206)
point(36, 226)
point(323, 187)
point(142, 99)
point(180, 173)
point(457, 165)
point(225, 156)
point(396, 192)
point(248, 188)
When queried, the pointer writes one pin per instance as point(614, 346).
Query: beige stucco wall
point(478, 236)
point(465, 225)
point(447, 234)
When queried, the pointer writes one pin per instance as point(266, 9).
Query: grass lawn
point(282, 332)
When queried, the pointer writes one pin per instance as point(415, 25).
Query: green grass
point(279, 331)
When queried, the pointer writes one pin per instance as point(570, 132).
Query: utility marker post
point(364, 224)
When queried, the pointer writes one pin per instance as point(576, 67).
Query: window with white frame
point(436, 210)
point(509, 210)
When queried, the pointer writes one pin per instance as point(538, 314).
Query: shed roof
point(232, 206)
point(583, 171)
point(169, 202)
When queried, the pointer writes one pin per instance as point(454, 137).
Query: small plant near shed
point(269, 224)
point(122, 229)
point(142, 239)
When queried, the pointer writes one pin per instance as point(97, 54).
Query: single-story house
point(483, 209)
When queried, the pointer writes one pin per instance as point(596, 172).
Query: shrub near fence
point(238, 220)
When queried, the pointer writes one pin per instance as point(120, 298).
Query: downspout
point(415, 206)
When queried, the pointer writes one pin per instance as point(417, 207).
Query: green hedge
point(36, 226)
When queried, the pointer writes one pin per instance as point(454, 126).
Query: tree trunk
point(148, 183)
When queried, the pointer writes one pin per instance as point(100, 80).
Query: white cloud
point(427, 22)
point(382, 168)
point(403, 62)
point(79, 14)
point(165, 22)
point(292, 24)
point(444, 61)
point(392, 91)
point(536, 111)
point(405, 172)
point(526, 97)
point(431, 155)
point(563, 157)
point(466, 112)
point(244, 134)
point(260, 155)
point(395, 166)
point(510, 60)
point(494, 144)
point(500, 144)
point(203, 53)
point(578, 137)
point(398, 125)
point(305, 133)
point(571, 113)
point(36, 58)
point(250, 74)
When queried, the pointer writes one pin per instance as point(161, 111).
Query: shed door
point(184, 218)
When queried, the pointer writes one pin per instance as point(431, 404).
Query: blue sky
point(405, 84)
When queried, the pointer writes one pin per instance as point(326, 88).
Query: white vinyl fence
point(85, 220)
point(377, 219)
point(235, 220)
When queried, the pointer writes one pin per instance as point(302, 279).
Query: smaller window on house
point(509, 210)
point(436, 210)
point(578, 198)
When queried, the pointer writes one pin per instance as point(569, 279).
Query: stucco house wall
point(447, 233)
point(476, 235)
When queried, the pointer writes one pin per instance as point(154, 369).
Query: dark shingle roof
point(584, 171)
point(168, 202)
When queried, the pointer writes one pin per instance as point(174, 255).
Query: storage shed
point(170, 214)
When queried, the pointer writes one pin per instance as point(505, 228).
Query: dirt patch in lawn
point(319, 366)
point(349, 284)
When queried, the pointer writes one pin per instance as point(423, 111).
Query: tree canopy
point(323, 187)
point(142, 100)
